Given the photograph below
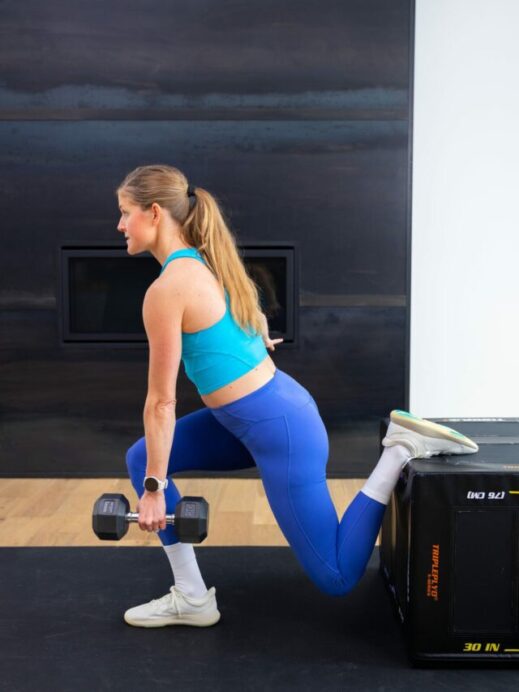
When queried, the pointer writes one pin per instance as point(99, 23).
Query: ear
point(156, 211)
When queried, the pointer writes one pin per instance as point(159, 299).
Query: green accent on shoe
point(413, 417)
point(406, 414)
point(429, 428)
point(455, 432)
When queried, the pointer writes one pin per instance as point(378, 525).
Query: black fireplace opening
point(101, 290)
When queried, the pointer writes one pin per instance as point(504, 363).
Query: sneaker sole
point(186, 620)
point(430, 429)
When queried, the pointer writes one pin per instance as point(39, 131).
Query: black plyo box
point(449, 548)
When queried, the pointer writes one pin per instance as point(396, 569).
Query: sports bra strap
point(187, 252)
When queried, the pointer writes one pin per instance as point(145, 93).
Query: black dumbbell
point(111, 517)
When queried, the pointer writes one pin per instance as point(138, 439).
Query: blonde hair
point(204, 227)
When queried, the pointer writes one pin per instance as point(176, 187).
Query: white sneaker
point(425, 439)
point(175, 608)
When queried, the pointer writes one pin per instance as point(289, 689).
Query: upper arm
point(162, 312)
point(265, 325)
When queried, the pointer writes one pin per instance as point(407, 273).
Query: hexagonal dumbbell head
point(192, 519)
point(109, 517)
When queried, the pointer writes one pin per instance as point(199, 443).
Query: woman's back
point(215, 349)
point(204, 300)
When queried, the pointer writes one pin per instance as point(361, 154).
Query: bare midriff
point(246, 384)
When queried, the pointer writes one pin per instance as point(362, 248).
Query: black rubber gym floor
point(62, 628)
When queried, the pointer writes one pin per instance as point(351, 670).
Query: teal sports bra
point(220, 354)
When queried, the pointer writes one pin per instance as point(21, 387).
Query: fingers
point(152, 513)
point(271, 344)
point(151, 524)
point(147, 526)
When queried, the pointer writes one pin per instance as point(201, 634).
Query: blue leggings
point(277, 428)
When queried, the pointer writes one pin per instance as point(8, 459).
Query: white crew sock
point(384, 476)
point(185, 569)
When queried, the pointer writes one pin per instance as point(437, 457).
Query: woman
point(204, 309)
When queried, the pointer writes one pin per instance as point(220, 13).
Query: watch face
point(151, 484)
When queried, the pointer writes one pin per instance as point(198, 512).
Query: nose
point(120, 226)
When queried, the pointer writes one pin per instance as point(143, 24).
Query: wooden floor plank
point(58, 512)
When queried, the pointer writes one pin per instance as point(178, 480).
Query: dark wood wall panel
point(70, 58)
point(311, 182)
point(294, 114)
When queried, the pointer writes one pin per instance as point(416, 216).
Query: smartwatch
point(152, 484)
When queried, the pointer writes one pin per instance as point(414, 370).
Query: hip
point(279, 423)
point(281, 396)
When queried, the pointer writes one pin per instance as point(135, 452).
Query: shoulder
point(165, 297)
point(183, 272)
point(178, 278)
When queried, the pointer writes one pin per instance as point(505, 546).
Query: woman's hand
point(271, 343)
point(152, 511)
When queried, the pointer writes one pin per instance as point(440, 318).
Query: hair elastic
point(191, 196)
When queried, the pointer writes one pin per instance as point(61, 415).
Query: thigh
point(291, 453)
point(201, 443)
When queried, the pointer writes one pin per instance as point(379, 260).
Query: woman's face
point(135, 224)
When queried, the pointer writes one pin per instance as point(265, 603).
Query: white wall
point(465, 230)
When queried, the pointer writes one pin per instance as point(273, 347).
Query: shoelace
point(168, 599)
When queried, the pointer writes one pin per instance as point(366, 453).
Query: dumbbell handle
point(133, 516)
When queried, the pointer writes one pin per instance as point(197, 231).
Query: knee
point(136, 458)
point(334, 584)
point(338, 589)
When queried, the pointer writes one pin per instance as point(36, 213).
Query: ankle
point(186, 572)
point(196, 600)
point(400, 452)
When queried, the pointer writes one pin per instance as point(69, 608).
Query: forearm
point(159, 428)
